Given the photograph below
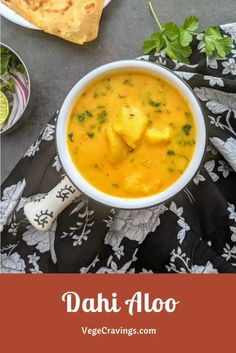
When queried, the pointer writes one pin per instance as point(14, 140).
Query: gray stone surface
point(56, 65)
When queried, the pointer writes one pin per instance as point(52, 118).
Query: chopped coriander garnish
point(83, 116)
point(100, 106)
point(102, 117)
point(89, 114)
point(186, 143)
point(115, 186)
point(153, 103)
point(127, 83)
point(171, 153)
point(71, 137)
point(90, 134)
point(187, 114)
point(186, 129)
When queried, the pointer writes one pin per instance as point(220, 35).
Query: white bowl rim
point(130, 203)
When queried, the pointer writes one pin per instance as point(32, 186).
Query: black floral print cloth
point(193, 233)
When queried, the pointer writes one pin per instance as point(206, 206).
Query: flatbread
point(74, 20)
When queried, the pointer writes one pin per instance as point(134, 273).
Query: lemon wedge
point(4, 108)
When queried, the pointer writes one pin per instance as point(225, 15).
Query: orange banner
point(111, 313)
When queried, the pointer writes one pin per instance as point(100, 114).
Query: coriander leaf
point(83, 116)
point(213, 33)
point(156, 42)
point(215, 43)
point(156, 36)
point(149, 45)
point(224, 47)
point(188, 30)
point(89, 114)
point(185, 37)
point(71, 137)
point(102, 117)
point(209, 46)
point(171, 153)
point(186, 129)
point(191, 23)
point(128, 83)
point(177, 52)
point(176, 41)
point(153, 103)
point(90, 135)
point(210, 36)
point(171, 31)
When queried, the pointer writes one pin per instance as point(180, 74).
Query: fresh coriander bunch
point(176, 41)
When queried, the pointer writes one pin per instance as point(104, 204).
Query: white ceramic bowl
point(81, 183)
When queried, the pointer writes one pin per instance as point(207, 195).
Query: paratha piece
point(74, 20)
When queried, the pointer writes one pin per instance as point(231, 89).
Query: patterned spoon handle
point(42, 213)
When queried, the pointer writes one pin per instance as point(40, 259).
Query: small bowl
point(132, 203)
point(28, 107)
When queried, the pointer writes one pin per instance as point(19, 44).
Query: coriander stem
point(154, 15)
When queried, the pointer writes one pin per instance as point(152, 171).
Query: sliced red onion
point(21, 82)
point(20, 92)
point(22, 78)
point(18, 100)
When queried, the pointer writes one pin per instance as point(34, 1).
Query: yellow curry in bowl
point(131, 135)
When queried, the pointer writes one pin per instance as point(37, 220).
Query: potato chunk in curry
point(131, 134)
point(130, 125)
point(117, 147)
point(158, 136)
